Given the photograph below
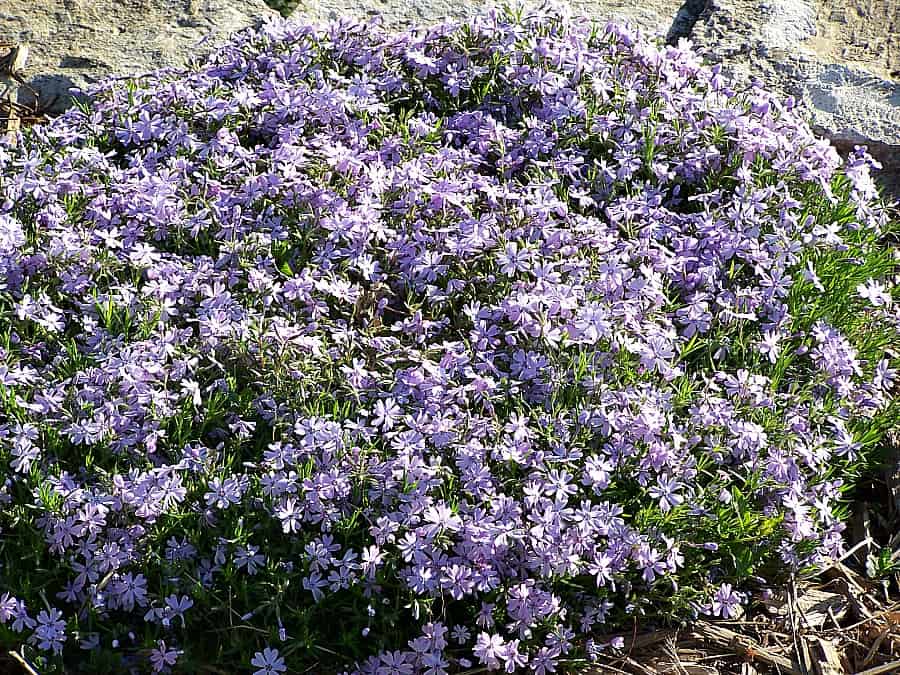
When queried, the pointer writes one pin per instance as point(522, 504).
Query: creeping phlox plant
point(456, 348)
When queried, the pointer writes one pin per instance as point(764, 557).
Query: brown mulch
point(839, 624)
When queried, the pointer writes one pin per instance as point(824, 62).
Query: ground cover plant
point(424, 352)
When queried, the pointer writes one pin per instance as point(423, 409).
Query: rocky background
point(840, 58)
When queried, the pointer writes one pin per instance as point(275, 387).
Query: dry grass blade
point(637, 641)
point(857, 591)
point(800, 653)
point(815, 607)
point(638, 668)
point(27, 667)
point(884, 669)
point(598, 669)
point(671, 650)
point(803, 655)
point(742, 645)
point(826, 660)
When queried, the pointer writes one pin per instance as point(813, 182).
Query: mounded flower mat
point(464, 349)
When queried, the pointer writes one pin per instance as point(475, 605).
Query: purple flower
point(447, 322)
point(387, 413)
point(50, 633)
point(175, 608)
point(491, 650)
point(875, 292)
point(249, 557)
point(130, 590)
point(314, 583)
point(394, 663)
point(514, 659)
point(885, 376)
point(268, 662)
point(21, 619)
point(8, 605)
point(545, 661)
point(666, 491)
point(769, 346)
point(726, 602)
point(161, 657)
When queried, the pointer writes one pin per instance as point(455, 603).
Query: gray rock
point(77, 42)
point(653, 17)
point(840, 60)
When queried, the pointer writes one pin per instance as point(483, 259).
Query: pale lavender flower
point(161, 657)
point(268, 662)
point(726, 602)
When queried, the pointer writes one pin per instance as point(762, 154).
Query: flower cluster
point(412, 353)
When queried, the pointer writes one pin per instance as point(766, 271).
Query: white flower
point(875, 292)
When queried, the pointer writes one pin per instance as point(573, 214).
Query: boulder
point(653, 17)
point(839, 59)
point(76, 42)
